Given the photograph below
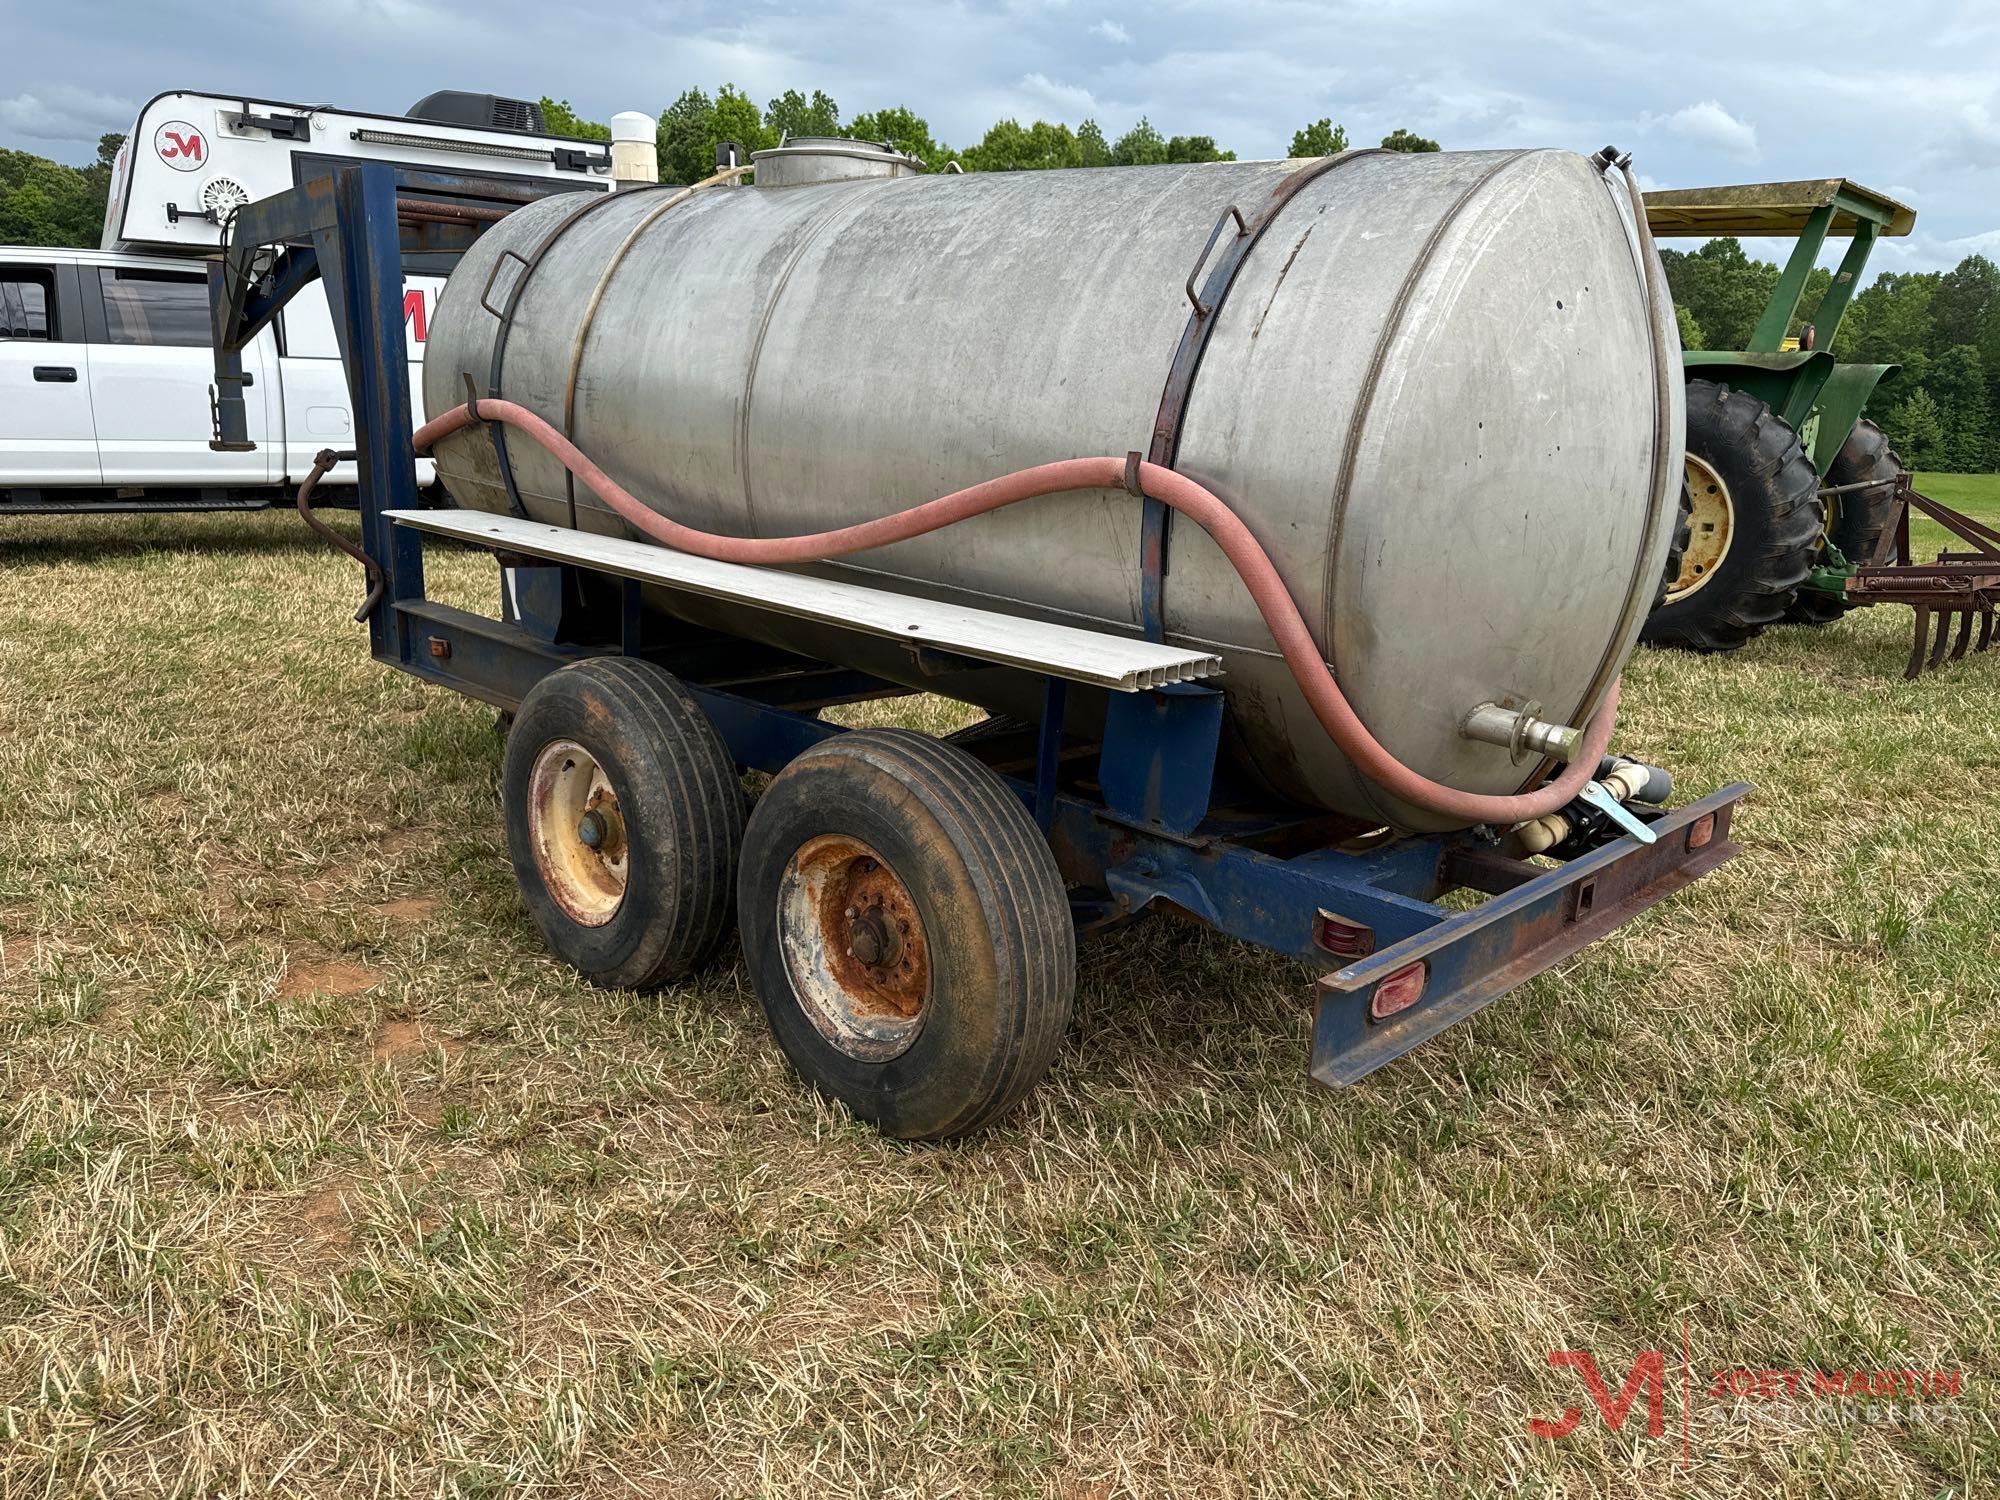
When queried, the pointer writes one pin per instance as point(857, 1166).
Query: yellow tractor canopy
point(1778, 209)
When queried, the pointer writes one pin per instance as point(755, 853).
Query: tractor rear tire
point(1758, 522)
point(1859, 517)
point(1677, 548)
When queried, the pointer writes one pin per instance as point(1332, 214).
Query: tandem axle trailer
point(908, 906)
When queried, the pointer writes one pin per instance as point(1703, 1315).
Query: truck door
point(46, 433)
point(317, 408)
point(150, 377)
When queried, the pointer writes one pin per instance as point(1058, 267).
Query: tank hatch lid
point(826, 158)
point(1774, 208)
point(1098, 658)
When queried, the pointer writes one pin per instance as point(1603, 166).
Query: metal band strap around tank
point(529, 264)
point(646, 221)
point(1207, 303)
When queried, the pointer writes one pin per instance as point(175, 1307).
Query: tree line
point(1941, 409)
point(695, 124)
point(43, 202)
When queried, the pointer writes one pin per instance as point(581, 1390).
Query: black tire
point(1858, 519)
point(1776, 522)
point(1677, 548)
point(958, 882)
point(675, 808)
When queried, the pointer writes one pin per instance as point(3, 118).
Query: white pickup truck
point(105, 373)
point(105, 364)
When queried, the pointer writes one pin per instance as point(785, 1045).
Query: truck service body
point(106, 379)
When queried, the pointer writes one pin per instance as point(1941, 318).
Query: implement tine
point(1964, 637)
point(1919, 639)
point(1985, 629)
point(1943, 634)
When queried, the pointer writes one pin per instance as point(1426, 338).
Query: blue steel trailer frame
point(1146, 820)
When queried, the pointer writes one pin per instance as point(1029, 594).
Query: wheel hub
point(578, 833)
point(1710, 527)
point(855, 947)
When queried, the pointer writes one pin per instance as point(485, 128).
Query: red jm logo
point(1648, 1373)
point(180, 145)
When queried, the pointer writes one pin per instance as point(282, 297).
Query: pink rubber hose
point(1251, 562)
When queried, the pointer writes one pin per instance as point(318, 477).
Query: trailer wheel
point(1757, 523)
point(907, 932)
point(624, 820)
point(1858, 518)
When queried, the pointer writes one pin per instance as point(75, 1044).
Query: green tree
point(43, 202)
point(687, 138)
point(1915, 429)
point(906, 131)
point(29, 216)
point(1185, 148)
point(1141, 146)
point(1989, 358)
point(1691, 335)
point(98, 173)
point(1958, 386)
point(792, 115)
point(1092, 146)
point(737, 119)
point(1960, 305)
point(694, 125)
point(1321, 138)
point(1723, 288)
point(1893, 326)
point(563, 120)
point(1406, 140)
point(1011, 147)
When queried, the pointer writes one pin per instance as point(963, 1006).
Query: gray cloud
point(1699, 91)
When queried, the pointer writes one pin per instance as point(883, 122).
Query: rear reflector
point(1398, 992)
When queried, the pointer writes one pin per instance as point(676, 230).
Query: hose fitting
point(1520, 733)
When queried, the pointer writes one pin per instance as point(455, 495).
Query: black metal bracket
point(282, 127)
point(1206, 304)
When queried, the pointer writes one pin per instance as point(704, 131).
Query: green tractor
point(1790, 491)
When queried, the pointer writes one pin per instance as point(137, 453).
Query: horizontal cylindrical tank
point(1433, 392)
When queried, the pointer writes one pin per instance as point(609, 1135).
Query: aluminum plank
point(1121, 663)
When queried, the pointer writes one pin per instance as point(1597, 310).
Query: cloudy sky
point(1904, 98)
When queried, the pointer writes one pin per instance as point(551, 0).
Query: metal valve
point(1520, 733)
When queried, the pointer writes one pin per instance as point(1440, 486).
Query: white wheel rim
point(1711, 528)
point(577, 831)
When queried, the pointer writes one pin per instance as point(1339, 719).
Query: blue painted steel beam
point(1472, 958)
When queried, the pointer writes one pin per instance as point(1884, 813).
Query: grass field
point(317, 1177)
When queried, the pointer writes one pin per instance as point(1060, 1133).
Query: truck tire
point(1757, 523)
point(907, 932)
point(1858, 519)
point(624, 820)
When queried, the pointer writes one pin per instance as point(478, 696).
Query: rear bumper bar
point(1474, 957)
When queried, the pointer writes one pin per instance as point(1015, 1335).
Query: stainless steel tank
point(1432, 394)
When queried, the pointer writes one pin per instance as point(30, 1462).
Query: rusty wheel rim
point(578, 833)
point(855, 947)
point(1711, 524)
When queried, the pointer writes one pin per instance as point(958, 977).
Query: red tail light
point(1399, 991)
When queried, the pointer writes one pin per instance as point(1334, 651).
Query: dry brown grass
point(317, 1177)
